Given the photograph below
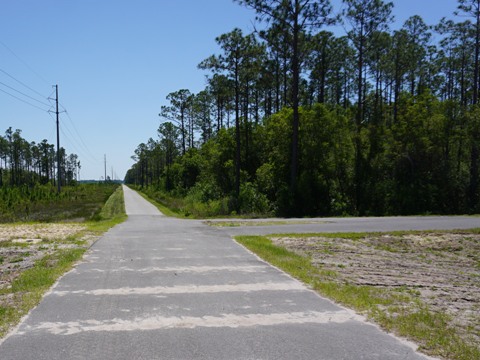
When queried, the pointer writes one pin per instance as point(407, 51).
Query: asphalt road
point(366, 224)
point(161, 288)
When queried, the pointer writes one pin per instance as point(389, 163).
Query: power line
point(22, 100)
point(82, 142)
point(23, 62)
point(72, 139)
point(18, 91)
point(73, 142)
point(21, 83)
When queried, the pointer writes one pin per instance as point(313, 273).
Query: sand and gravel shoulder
point(442, 270)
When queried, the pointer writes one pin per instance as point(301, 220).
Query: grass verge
point(114, 208)
point(29, 285)
point(395, 310)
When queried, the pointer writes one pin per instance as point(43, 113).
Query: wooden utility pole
point(105, 166)
point(59, 171)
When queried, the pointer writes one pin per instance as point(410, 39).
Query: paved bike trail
point(155, 287)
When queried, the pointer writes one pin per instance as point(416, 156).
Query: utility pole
point(105, 166)
point(59, 171)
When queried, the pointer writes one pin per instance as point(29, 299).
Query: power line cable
point(23, 62)
point(22, 100)
point(52, 131)
point(87, 149)
point(74, 143)
point(38, 93)
point(21, 83)
point(70, 142)
point(78, 134)
point(18, 91)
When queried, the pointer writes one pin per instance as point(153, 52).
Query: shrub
point(252, 201)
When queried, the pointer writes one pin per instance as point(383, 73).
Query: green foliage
point(417, 165)
point(186, 170)
point(195, 204)
point(252, 201)
point(296, 121)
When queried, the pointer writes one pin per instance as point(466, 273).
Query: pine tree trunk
point(296, 115)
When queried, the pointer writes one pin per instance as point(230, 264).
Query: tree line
point(29, 163)
point(297, 120)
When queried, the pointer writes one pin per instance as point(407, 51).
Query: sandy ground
point(38, 231)
point(443, 270)
point(21, 245)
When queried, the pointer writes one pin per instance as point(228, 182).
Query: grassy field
point(34, 255)
point(43, 203)
point(421, 286)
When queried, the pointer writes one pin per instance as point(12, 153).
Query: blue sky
point(115, 61)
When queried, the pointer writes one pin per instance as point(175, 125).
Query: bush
point(252, 201)
point(204, 200)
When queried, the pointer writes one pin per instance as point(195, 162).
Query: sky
point(114, 62)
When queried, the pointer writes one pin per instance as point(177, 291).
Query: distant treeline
point(28, 183)
point(296, 120)
point(28, 163)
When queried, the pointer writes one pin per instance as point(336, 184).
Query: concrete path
point(366, 224)
point(136, 205)
point(161, 288)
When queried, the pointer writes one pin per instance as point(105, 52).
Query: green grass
point(114, 206)
point(395, 310)
point(288, 261)
point(432, 331)
point(112, 213)
point(46, 271)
